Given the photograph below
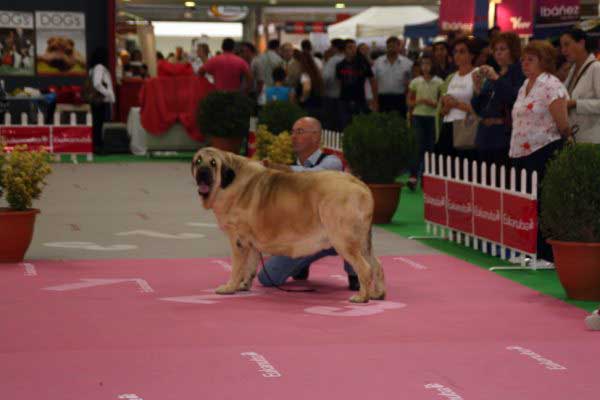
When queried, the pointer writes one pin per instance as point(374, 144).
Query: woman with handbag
point(540, 121)
point(583, 85)
point(494, 99)
point(457, 135)
point(101, 101)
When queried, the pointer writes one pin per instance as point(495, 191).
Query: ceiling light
point(190, 4)
point(340, 5)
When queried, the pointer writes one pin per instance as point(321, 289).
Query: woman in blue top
point(494, 99)
point(279, 92)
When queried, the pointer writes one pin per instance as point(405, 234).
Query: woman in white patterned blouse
point(540, 120)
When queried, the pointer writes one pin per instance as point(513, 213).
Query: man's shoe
point(302, 275)
point(353, 283)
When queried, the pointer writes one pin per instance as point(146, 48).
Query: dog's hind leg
point(378, 291)
point(239, 257)
point(249, 270)
point(352, 253)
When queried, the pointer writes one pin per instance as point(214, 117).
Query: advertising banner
point(300, 27)
point(457, 15)
point(434, 199)
point(72, 139)
point(60, 43)
point(17, 50)
point(35, 137)
point(487, 213)
point(551, 12)
point(460, 206)
point(519, 222)
point(516, 16)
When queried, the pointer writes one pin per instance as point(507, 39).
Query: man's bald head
point(306, 136)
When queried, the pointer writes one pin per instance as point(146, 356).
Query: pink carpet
point(152, 329)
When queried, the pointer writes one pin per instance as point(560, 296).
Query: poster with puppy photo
point(60, 43)
point(16, 43)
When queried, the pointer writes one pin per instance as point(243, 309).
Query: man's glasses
point(301, 131)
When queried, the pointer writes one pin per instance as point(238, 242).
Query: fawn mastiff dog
point(286, 213)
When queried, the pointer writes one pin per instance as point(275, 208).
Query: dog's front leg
point(240, 256)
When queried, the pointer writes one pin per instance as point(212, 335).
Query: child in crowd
point(423, 95)
point(279, 92)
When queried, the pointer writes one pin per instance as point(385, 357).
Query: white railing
point(332, 140)
point(57, 138)
point(493, 217)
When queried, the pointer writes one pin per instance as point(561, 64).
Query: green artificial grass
point(409, 221)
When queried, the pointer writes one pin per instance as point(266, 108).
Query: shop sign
point(300, 27)
point(457, 15)
point(557, 11)
point(515, 16)
point(228, 13)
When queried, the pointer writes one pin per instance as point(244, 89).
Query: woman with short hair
point(540, 121)
point(494, 99)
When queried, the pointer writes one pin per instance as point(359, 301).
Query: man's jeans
point(279, 268)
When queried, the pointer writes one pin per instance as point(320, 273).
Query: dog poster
point(60, 43)
point(16, 43)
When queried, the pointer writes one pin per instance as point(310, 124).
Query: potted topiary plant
point(224, 117)
point(22, 175)
point(280, 116)
point(378, 147)
point(570, 217)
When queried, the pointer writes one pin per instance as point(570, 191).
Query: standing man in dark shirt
point(352, 72)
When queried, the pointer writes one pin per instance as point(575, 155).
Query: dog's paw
point(244, 286)
point(359, 299)
point(378, 296)
point(225, 289)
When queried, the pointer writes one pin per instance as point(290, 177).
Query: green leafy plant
point(280, 116)
point(571, 195)
point(277, 149)
point(378, 146)
point(22, 175)
point(225, 114)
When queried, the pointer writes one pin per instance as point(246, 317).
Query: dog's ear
point(227, 176)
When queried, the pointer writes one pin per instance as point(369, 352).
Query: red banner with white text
point(72, 139)
point(457, 15)
point(516, 16)
point(488, 213)
point(55, 139)
point(35, 137)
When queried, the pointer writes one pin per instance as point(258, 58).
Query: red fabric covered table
point(128, 96)
point(166, 100)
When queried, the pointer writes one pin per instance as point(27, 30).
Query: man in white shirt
point(392, 72)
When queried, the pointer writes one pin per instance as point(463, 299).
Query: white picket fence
point(461, 175)
point(332, 140)
point(56, 122)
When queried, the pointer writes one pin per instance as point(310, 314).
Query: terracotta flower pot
point(16, 233)
point(578, 268)
point(231, 144)
point(386, 198)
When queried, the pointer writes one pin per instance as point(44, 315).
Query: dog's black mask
point(204, 179)
point(227, 176)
